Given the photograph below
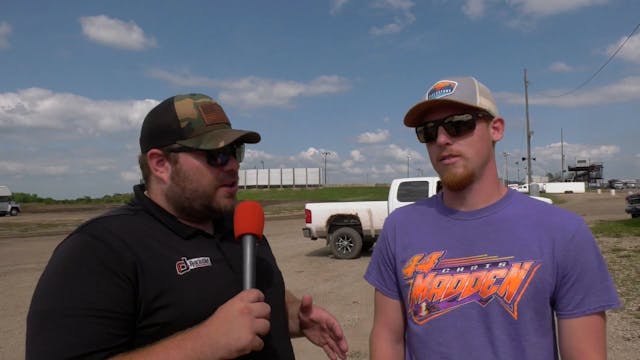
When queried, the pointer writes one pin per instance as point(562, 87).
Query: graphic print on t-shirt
point(438, 286)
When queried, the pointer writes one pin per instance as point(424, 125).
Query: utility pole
point(506, 167)
point(561, 157)
point(529, 132)
point(324, 155)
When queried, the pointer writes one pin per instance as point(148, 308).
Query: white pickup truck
point(351, 227)
point(7, 205)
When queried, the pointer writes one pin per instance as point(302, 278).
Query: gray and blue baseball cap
point(456, 90)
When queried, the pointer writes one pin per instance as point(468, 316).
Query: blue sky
point(77, 78)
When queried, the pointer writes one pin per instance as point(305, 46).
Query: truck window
point(413, 190)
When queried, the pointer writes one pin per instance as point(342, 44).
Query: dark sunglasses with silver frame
point(217, 157)
point(455, 125)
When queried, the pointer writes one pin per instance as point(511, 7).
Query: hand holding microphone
point(241, 322)
point(248, 224)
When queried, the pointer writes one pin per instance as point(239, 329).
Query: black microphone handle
point(248, 261)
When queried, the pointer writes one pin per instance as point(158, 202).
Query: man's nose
point(232, 165)
point(442, 136)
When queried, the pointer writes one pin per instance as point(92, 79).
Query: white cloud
point(39, 108)
point(255, 92)
point(182, 79)
point(474, 9)
point(560, 66)
point(314, 155)
point(373, 137)
point(336, 6)
point(5, 31)
point(350, 166)
point(131, 176)
point(403, 16)
point(356, 155)
point(595, 152)
point(629, 52)
point(252, 154)
point(548, 158)
point(526, 12)
point(624, 90)
point(31, 168)
point(542, 8)
point(115, 33)
point(258, 159)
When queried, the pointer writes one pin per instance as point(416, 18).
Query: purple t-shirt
point(486, 284)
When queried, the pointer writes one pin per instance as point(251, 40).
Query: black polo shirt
point(136, 275)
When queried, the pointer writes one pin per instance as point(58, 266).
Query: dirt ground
point(307, 265)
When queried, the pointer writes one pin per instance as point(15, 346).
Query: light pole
point(408, 160)
point(506, 167)
point(518, 170)
point(324, 155)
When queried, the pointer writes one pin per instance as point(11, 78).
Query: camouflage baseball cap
point(192, 120)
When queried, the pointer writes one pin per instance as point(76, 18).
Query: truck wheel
point(13, 212)
point(346, 243)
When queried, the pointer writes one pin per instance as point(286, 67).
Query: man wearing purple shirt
point(481, 271)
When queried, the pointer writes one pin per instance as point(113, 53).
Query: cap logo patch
point(441, 89)
point(212, 113)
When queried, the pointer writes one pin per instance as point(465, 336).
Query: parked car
point(616, 184)
point(633, 205)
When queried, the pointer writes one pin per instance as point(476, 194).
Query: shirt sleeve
point(381, 272)
point(584, 285)
point(84, 303)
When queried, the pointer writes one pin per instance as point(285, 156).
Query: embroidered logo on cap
point(185, 265)
point(212, 113)
point(441, 89)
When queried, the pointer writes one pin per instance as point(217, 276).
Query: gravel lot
point(26, 242)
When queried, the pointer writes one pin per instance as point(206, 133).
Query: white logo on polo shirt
point(185, 265)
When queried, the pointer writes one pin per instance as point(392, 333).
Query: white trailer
point(564, 188)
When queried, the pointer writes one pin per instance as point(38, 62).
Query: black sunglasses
point(454, 125)
point(217, 157)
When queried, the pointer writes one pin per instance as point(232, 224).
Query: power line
point(601, 67)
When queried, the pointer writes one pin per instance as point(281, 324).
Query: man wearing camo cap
point(160, 278)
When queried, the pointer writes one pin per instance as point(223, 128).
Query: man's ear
point(159, 165)
point(496, 129)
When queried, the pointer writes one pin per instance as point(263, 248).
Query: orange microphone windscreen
point(248, 219)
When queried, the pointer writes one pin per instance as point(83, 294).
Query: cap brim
point(220, 138)
point(415, 116)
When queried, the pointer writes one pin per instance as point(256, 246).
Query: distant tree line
point(25, 198)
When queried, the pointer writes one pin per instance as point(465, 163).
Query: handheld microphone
point(248, 223)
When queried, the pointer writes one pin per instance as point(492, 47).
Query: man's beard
point(192, 201)
point(457, 180)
